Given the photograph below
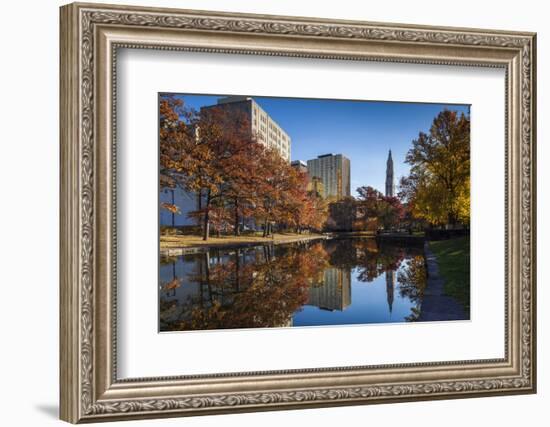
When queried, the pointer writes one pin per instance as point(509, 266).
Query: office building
point(334, 172)
point(262, 126)
point(268, 133)
point(299, 165)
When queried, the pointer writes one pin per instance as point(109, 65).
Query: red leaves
point(171, 285)
point(172, 208)
point(386, 211)
point(215, 153)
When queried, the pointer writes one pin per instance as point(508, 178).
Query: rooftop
point(234, 98)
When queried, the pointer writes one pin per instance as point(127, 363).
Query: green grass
point(453, 258)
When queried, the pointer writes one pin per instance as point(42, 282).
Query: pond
point(339, 281)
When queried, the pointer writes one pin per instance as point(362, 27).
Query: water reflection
point(329, 282)
point(333, 292)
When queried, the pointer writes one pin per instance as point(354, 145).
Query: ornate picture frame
point(90, 37)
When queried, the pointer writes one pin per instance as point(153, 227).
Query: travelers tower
point(333, 171)
point(390, 184)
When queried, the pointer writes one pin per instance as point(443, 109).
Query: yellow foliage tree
point(438, 187)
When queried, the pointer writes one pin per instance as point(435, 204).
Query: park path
point(214, 243)
point(435, 304)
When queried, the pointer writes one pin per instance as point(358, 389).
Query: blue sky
point(363, 131)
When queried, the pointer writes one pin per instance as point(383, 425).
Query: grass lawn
point(182, 241)
point(453, 257)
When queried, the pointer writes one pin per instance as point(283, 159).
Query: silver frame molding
point(90, 37)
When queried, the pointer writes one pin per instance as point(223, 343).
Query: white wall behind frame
point(29, 303)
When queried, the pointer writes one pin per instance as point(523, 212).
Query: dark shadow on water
point(50, 410)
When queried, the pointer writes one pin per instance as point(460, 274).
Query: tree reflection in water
point(265, 286)
point(412, 283)
point(251, 288)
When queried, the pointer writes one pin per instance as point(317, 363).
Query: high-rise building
point(334, 172)
point(390, 182)
point(299, 165)
point(262, 126)
point(268, 133)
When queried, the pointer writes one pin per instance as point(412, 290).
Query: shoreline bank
point(203, 246)
point(437, 306)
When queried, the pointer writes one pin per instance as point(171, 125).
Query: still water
point(328, 282)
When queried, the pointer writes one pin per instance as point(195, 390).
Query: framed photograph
point(266, 212)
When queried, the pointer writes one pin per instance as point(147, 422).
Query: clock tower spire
point(390, 183)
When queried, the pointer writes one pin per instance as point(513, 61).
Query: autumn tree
point(175, 136)
point(438, 187)
point(317, 213)
point(241, 173)
point(214, 155)
point(224, 149)
point(273, 190)
point(296, 207)
point(378, 210)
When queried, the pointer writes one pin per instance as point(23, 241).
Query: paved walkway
point(228, 243)
point(435, 304)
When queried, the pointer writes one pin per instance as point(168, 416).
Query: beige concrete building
point(334, 172)
point(299, 165)
point(267, 130)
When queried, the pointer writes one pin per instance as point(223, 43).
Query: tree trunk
point(206, 259)
point(206, 230)
point(265, 228)
point(201, 281)
point(199, 207)
point(173, 214)
point(451, 218)
point(237, 225)
point(237, 269)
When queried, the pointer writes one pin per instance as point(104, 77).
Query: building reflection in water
point(390, 286)
point(271, 286)
point(334, 293)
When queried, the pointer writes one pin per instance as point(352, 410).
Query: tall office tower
point(268, 132)
point(390, 182)
point(334, 172)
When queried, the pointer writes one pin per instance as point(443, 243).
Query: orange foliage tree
point(214, 154)
point(378, 210)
